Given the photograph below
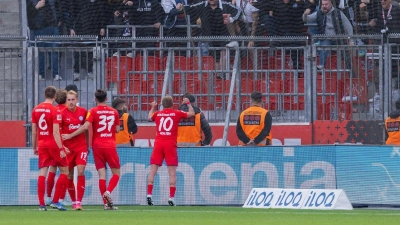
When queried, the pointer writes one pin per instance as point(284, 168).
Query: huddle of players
point(74, 121)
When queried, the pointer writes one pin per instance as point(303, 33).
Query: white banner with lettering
point(298, 199)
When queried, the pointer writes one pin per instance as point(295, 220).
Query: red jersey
point(61, 107)
point(167, 123)
point(104, 119)
point(44, 116)
point(71, 121)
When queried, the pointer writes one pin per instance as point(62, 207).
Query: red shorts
point(77, 157)
point(164, 149)
point(106, 155)
point(51, 157)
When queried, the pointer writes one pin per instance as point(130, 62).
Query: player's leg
point(156, 159)
point(113, 162)
point(41, 187)
point(50, 183)
point(171, 159)
point(61, 186)
point(100, 163)
point(71, 186)
point(81, 160)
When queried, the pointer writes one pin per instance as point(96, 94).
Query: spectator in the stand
point(288, 15)
point(174, 18)
point(121, 17)
point(388, 21)
point(330, 22)
point(265, 16)
point(89, 17)
point(392, 126)
point(145, 13)
point(248, 22)
point(128, 127)
point(44, 18)
point(190, 130)
point(254, 124)
point(214, 15)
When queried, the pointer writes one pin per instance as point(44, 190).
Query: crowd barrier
point(225, 176)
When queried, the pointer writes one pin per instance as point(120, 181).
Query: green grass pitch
point(210, 215)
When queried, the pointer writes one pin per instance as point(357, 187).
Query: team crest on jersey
point(59, 117)
point(80, 118)
point(252, 120)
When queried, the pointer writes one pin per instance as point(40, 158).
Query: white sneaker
point(77, 76)
point(375, 98)
point(116, 54)
point(320, 67)
point(130, 55)
point(64, 202)
point(47, 201)
point(57, 77)
point(171, 202)
point(232, 44)
point(89, 76)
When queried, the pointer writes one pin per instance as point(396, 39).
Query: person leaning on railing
point(190, 130)
point(392, 126)
point(254, 124)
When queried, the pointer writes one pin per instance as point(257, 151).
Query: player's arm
point(81, 129)
point(57, 138)
point(191, 110)
point(151, 112)
point(267, 128)
point(34, 138)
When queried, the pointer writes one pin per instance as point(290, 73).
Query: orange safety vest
point(123, 136)
point(189, 132)
point(393, 129)
point(252, 121)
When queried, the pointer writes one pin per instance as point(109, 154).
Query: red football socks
point(50, 183)
point(172, 190)
point(41, 189)
point(71, 190)
point(149, 189)
point(81, 187)
point(113, 183)
point(61, 187)
point(103, 188)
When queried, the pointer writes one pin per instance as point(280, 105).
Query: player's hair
point(50, 92)
point(71, 92)
point(100, 95)
point(71, 87)
point(167, 102)
point(61, 96)
point(191, 98)
point(117, 103)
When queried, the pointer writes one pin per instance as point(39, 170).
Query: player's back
point(44, 116)
point(104, 119)
point(167, 123)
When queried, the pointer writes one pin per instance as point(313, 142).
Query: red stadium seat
point(118, 68)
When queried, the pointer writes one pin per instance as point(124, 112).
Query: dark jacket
point(205, 127)
point(292, 25)
point(88, 17)
point(132, 127)
point(336, 20)
point(47, 16)
point(211, 19)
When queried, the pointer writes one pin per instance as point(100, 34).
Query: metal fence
point(355, 82)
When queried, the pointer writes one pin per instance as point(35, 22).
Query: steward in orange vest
point(392, 125)
point(128, 127)
point(254, 124)
point(190, 131)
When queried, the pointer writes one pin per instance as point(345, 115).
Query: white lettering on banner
point(327, 181)
point(205, 183)
point(248, 172)
point(297, 199)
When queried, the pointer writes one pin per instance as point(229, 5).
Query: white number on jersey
point(106, 120)
point(42, 122)
point(164, 122)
